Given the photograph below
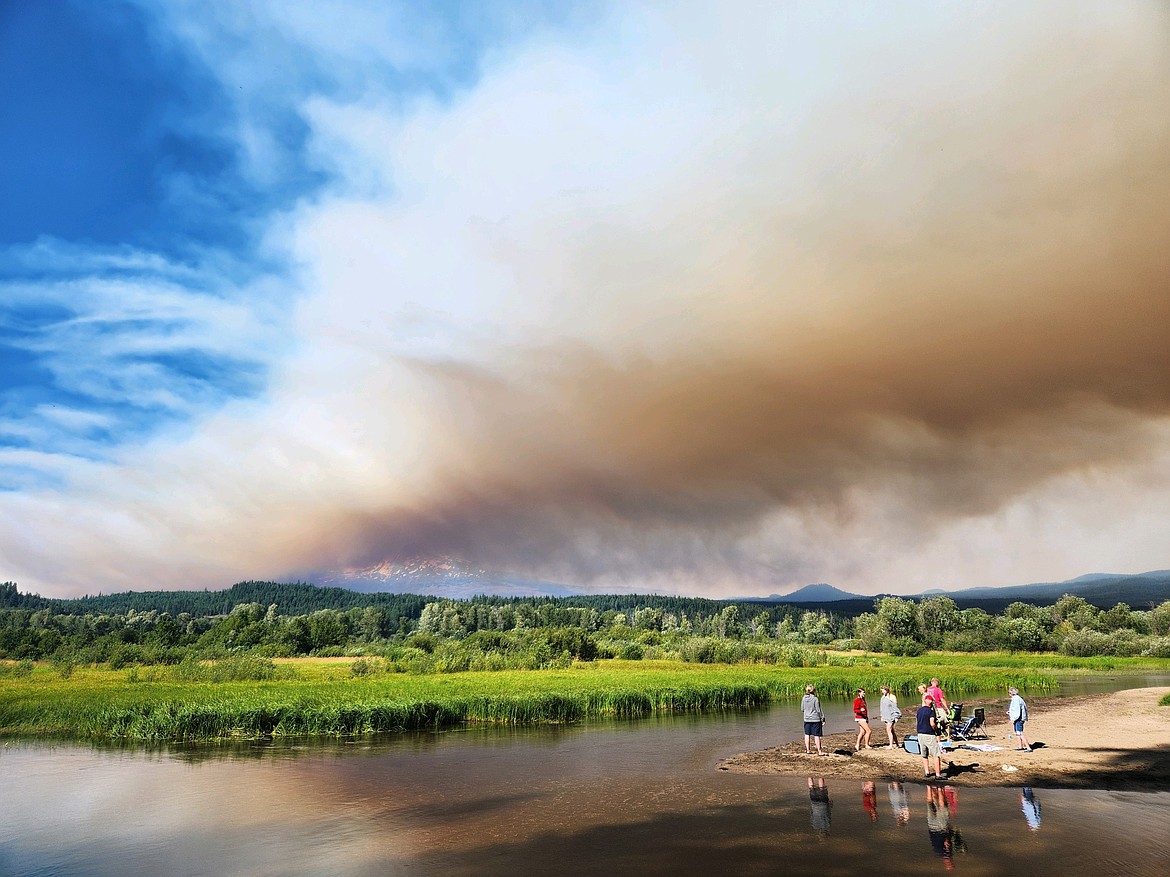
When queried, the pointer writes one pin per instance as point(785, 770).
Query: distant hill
point(1105, 590)
point(1139, 590)
point(452, 579)
point(818, 593)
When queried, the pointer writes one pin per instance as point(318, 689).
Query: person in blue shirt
point(928, 745)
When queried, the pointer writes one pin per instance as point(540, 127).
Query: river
point(607, 798)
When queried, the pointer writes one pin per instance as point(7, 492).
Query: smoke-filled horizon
point(701, 301)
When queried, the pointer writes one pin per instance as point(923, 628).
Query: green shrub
point(452, 657)
point(1157, 647)
point(1085, 643)
point(123, 655)
point(967, 641)
point(573, 640)
point(426, 642)
point(238, 668)
point(19, 670)
point(362, 667)
point(412, 660)
point(904, 646)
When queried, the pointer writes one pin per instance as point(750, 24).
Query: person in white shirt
point(1018, 714)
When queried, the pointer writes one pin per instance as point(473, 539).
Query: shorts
point(1019, 726)
point(928, 746)
point(814, 729)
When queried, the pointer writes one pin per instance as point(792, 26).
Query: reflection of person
point(1030, 804)
point(927, 726)
point(861, 716)
point(1018, 714)
point(938, 824)
point(820, 805)
point(899, 803)
point(814, 719)
point(890, 715)
point(869, 799)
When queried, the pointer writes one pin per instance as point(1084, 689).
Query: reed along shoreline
point(151, 706)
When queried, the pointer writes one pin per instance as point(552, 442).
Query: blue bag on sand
point(910, 744)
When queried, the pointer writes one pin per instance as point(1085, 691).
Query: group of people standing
point(930, 721)
point(814, 719)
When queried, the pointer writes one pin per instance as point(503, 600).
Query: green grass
point(937, 663)
point(326, 698)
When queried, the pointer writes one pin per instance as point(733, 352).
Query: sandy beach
point(1115, 741)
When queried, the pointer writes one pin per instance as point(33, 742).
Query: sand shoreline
point(1116, 741)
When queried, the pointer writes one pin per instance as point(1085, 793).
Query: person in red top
point(861, 716)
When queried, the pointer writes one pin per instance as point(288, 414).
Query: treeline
point(1071, 626)
point(293, 599)
point(415, 634)
point(419, 634)
point(302, 599)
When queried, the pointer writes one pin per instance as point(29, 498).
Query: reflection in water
point(1030, 804)
point(899, 803)
point(942, 807)
point(612, 799)
point(820, 805)
point(869, 799)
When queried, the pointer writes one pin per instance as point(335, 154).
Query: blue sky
point(103, 119)
point(117, 173)
point(706, 299)
point(121, 164)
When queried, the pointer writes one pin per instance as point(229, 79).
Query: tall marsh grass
point(198, 702)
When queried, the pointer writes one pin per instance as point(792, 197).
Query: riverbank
point(1117, 741)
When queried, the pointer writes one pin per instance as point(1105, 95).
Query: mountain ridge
point(456, 580)
point(443, 577)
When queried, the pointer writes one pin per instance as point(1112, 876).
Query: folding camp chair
point(948, 718)
point(973, 727)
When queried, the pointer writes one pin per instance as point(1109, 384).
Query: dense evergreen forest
point(293, 599)
point(415, 633)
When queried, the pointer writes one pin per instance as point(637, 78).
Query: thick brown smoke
point(1008, 327)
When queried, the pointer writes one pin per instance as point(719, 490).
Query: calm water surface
point(620, 798)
